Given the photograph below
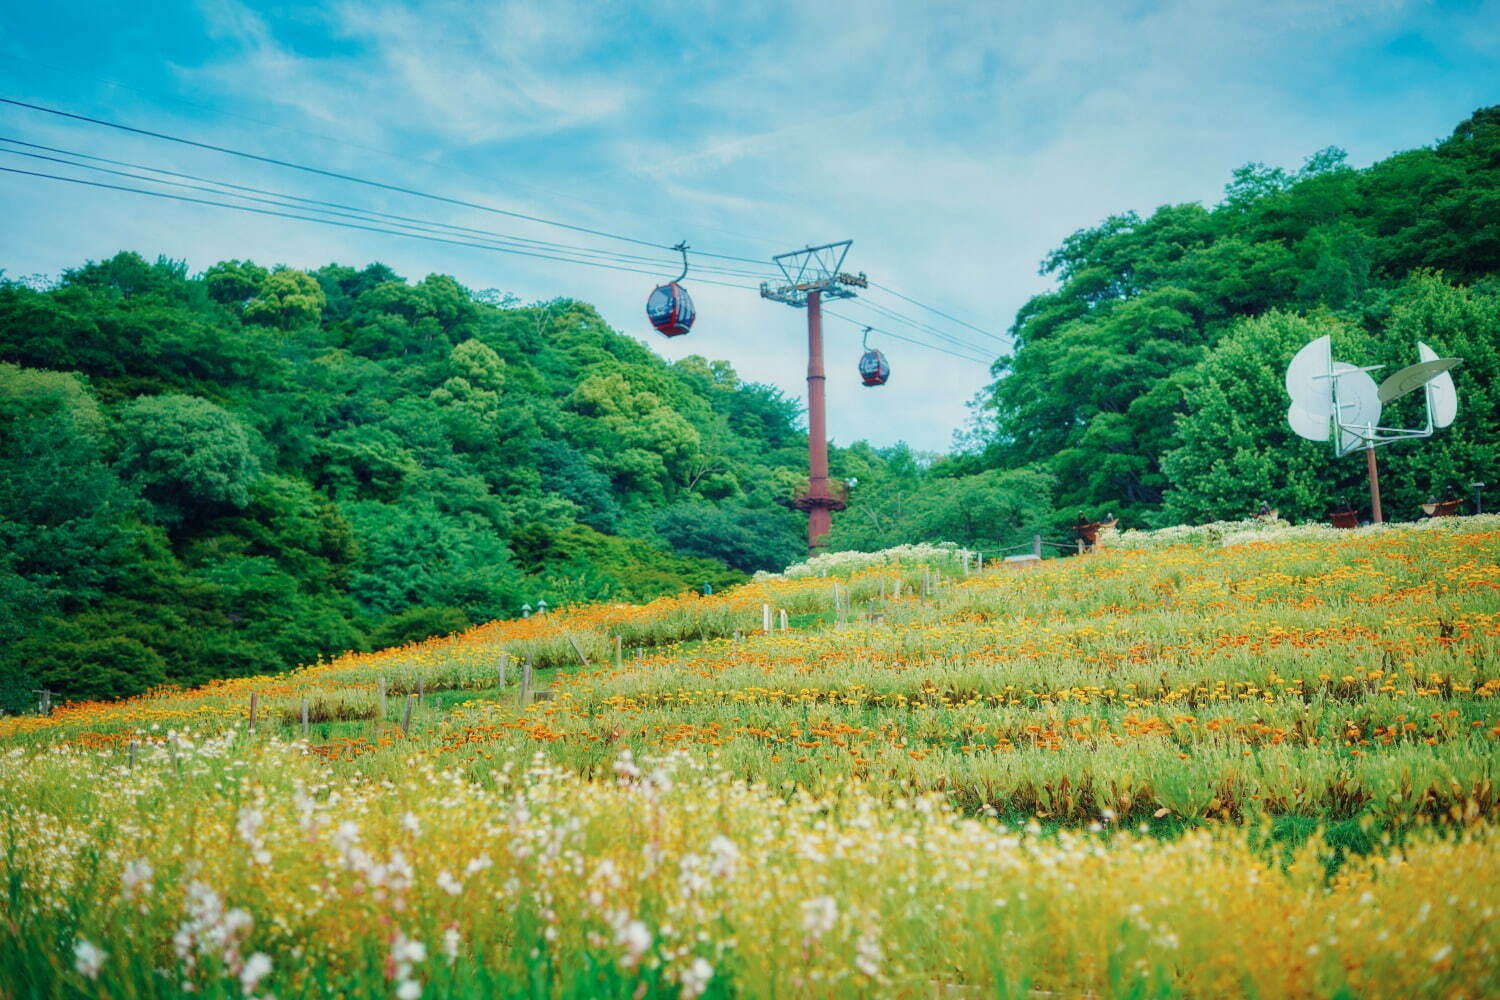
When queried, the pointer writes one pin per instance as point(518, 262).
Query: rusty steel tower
point(812, 275)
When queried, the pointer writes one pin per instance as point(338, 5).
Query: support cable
point(351, 225)
point(333, 208)
point(351, 178)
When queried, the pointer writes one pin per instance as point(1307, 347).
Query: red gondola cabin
point(873, 369)
point(670, 309)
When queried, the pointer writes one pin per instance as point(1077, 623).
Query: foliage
point(1148, 323)
point(232, 473)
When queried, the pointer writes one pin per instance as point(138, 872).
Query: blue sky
point(954, 143)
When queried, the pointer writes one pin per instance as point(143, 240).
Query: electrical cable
point(933, 309)
point(358, 213)
point(922, 327)
point(73, 72)
point(350, 225)
point(336, 175)
point(897, 336)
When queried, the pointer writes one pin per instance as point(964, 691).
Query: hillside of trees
point(1148, 383)
point(238, 471)
point(241, 470)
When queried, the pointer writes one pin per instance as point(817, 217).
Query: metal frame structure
point(1350, 389)
point(813, 274)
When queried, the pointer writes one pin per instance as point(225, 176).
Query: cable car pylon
point(812, 275)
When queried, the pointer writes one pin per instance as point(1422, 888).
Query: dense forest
point(237, 471)
point(231, 472)
point(1149, 382)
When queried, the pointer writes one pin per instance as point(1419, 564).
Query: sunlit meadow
point(1221, 762)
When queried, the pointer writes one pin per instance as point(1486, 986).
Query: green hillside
point(1252, 761)
point(1148, 382)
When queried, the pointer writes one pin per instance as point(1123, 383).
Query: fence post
point(765, 617)
point(1036, 546)
point(254, 707)
point(526, 682)
point(504, 658)
point(382, 699)
point(619, 652)
point(134, 746)
point(783, 620)
point(406, 715)
point(305, 729)
point(421, 688)
point(579, 650)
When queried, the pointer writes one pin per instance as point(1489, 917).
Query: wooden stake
point(504, 659)
point(134, 747)
point(254, 707)
point(526, 682)
point(765, 617)
point(783, 620)
point(305, 730)
point(406, 715)
point(382, 699)
point(619, 652)
point(579, 650)
point(421, 688)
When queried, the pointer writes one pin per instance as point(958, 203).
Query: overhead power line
point(282, 199)
point(921, 327)
point(74, 72)
point(896, 336)
point(939, 312)
point(351, 178)
point(351, 225)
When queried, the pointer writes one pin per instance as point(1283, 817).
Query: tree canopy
point(1148, 381)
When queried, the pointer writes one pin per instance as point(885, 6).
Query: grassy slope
point(1315, 679)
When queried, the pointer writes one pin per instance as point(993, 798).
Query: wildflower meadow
point(1213, 764)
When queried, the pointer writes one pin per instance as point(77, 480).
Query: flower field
point(1216, 764)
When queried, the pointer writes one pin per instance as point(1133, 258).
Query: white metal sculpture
point(1334, 400)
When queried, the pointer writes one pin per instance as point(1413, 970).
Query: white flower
point(88, 958)
point(249, 824)
point(409, 990)
point(136, 878)
point(625, 768)
point(449, 884)
point(724, 857)
point(868, 956)
point(819, 915)
point(635, 939)
point(410, 823)
point(257, 967)
point(1441, 954)
point(695, 978)
point(406, 950)
point(451, 941)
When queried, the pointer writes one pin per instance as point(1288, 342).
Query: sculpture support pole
point(1375, 515)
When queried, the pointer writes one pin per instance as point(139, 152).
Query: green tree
point(287, 298)
point(186, 454)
